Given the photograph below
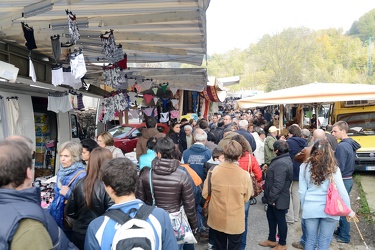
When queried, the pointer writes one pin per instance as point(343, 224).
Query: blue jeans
point(244, 234)
point(344, 226)
point(303, 237)
point(319, 232)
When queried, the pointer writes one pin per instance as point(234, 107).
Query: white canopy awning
point(311, 93)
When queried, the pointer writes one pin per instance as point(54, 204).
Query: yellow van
point(360, 116)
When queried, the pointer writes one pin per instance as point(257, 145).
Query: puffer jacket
point(171, 187)
point(278, 180)
point(147, 133)
point(77, 207)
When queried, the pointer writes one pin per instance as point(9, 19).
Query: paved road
point(258, 227)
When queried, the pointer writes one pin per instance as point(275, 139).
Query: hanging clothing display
point(164, 117)
point(80, 102)
point(28, 33)
point(121, 102)
point(70, 80)
point(78, 65)
point(109, 109)
point(174, 114)
point(133, 114)
point(150, 112)
point(57, 75)
point(109, 46)
point(56, 47)
point(146, 84)
point(14, 116)
point(174, 103)
point(3, 120)
point(59, 102)
point(113, 76)
point(123, 63)
point(73, 28)
point(32, 70)
point(148, 98)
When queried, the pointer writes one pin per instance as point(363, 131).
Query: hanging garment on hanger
point(56, 47)
point(3, 120)
point(146, 84)
point(151, 112)
point(164, 117)
point(174, 91)
point(70, 80)
point(73, 28)
point(73, 101)
point(109, 109)
point(174, 114)
point(132, 96)
point(80, 102)
point(120, 102)
point(59, 102)
point(14, 117)
point(78, 66)
point(32, 70)
point(156, 99)
point(148, 98)
point(134, 114)
point(139, 101)
point(165, 102)
point(123, 64)
point(57, 75)
point(174, 103)
point(28, 33)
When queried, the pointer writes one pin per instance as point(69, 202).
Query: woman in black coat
point(277, 196)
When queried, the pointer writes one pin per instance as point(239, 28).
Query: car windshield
point(120, 131)
point(359, 123)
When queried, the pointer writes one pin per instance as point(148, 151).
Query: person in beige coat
point(231, 187)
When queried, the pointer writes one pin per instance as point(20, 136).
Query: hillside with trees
point(298, 56)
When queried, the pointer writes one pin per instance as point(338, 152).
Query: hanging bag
point(335, 206)
point(256, 188)
point(179, 221)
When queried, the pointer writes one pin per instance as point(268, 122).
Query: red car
point(126, 135)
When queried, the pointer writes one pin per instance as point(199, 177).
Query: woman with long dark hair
point(314, 179)
point(89, 199)
point(174, 134)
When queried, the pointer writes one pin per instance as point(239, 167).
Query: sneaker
point(268, 243)
point(298, 245)
point(210, 246)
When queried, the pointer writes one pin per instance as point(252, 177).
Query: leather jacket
point(171, 187)
point(77, 206)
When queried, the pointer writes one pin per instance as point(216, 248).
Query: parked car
point(126, 135)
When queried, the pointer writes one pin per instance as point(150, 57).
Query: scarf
point(69, 170)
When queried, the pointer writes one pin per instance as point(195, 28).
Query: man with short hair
point(148, 132)
point(120, 177)
point(227, 121)
point(243, 126)
point(213, 122)
point(345, 155)
point(198, 153)
point(269, 153)
point(218, 131)
point(332, 140)
point(24, 224)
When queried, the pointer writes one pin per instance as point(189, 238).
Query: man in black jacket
point(24, 224)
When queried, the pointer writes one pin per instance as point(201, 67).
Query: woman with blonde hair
point(314, 180)
point(70, 172)
point(105, 140)
point(230, 188)
point(89, 199)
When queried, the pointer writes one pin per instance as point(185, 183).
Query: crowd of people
point(97, 187)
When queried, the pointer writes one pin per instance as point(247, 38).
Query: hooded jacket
point(345, 156)
point(171, 187)
point(16, 205)
point(196, 156)
point(296, 144)
point(147, 133)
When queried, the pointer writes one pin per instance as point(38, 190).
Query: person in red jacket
point(248, 163)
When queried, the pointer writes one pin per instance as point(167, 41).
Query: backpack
point(134, 232)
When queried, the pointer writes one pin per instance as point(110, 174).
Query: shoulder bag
point(256, 188)
point(68, 222)
point(179, 221)
point(335, 206)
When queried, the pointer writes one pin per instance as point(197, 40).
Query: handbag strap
point(75, 177)
point(209, 183)
point(151, 188)
point(249, 168)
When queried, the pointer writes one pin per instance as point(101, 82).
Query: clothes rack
point(12, 97)
point(57, 93)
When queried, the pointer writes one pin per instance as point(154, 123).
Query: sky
point(238, 23)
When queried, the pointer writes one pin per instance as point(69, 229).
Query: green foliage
point(364, 209)
point(364, 27)
point(294, 57)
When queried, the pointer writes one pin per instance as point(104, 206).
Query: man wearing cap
point(269, 154)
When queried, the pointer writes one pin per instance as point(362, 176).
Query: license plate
point(370, 168)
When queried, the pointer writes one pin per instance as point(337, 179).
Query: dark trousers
point(225, 241)
point(78, 240)
point(276, 220)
